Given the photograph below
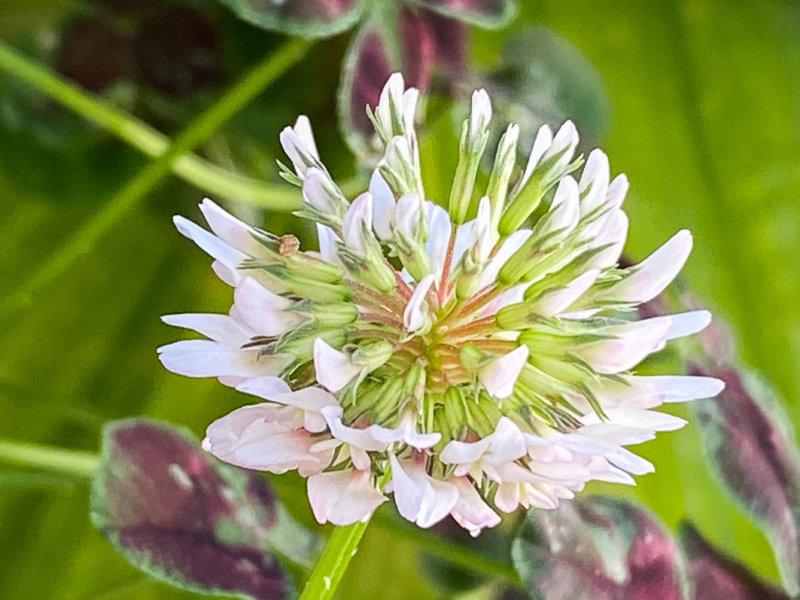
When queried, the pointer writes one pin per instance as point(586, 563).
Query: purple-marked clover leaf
point(752, 448)
point(416, 42)
point(307, 18)
point(598, 548)
point(716, 576)
point(176, 513)
point(484, 13)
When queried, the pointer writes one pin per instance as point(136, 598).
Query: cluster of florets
point(455, 362)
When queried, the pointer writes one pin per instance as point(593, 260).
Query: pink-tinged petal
point(716, 576)
point(421, 498)
point(360, 438)
point(747, 439)
point(357, 220)
point(616, 433)
point(559, 300)
point(220, 328)
point(258, 437)
point(639, 391)
point(187, 519)
point(500, 375)
point(343, 497)
point(333, 368)
point(628, 346)
point(211, 244)
point(308, 18)
point(205, 358)
point(415, 315)
point(598, 548)
point(471, 512)
point(651, 276)
point(267, 314)
point(483, 13)
point(231, 230)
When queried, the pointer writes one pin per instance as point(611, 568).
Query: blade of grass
point(190, 167)
point(137, 188)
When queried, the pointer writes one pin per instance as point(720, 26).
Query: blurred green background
point(701, 109)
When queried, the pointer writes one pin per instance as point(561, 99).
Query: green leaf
point(307, 18)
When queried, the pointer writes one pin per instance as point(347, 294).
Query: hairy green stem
point(82, 465)
point(190, 167)
point(339, 550)
point(137, 188)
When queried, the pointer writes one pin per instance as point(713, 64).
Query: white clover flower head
point(464, 366)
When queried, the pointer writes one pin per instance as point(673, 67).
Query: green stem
point(339, 550)
point(129, 196)
point(55, 460)
point(193, 169)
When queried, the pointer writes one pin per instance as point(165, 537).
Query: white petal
point(594, 181)
point(220, 328)
point(327, 244)
point(508, 247)
point(415, 314)
point(480, 115)
point(231, 230)
point(651, 276)
point(315, 191)
point(500, 375)
point(555, 302)
point(649, 420)
point(333, 368)
point(438, 237)
point(265, 313)
point(617, 190)
point(471, 512)
point(383, 206)
point(611, 238)
point(343, 497)
point(419, 497)
point(409, 215)
point(360, 438)
point(357, 218)
point(543, 140)
point(688, 323)
point(210, 244)
point(464, 453)
point(205, 358)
